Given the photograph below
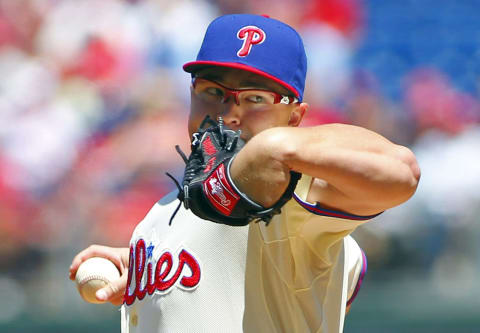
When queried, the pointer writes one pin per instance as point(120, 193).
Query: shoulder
point(166, 203)
point(168, 199)
point(160, 212)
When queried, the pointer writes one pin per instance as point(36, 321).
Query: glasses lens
point(212, 92)
point(209, 91)
point(256, 98)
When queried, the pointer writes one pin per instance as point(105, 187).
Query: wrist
point(237, 190)
point(258, 170)
point(278, 145)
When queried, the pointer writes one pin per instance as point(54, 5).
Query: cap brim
point(193, 66)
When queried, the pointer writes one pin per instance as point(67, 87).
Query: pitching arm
point(355, 170)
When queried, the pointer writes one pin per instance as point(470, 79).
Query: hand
point(114, 291)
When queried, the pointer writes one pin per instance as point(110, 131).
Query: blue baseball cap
point(257, 44)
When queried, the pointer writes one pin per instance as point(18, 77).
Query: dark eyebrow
point(254, 84)
point(210, 76)
point(246, 83)
point(265, 86)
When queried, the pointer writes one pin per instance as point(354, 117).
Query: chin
point(245, 137)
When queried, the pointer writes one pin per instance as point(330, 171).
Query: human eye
point(256, 98)
point(209, 92)
point(214, 91)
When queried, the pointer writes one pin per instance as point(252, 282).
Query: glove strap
point(240, 193)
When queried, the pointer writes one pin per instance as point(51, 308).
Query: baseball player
point(256, 238)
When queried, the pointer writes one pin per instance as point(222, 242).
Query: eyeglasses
point(215, 93)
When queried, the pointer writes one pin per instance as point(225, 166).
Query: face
point(250, 120)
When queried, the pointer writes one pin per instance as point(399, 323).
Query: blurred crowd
point(93, 100)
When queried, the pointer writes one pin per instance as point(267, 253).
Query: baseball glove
point(207, 188)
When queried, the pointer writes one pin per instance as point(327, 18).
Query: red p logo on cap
point(251, 35)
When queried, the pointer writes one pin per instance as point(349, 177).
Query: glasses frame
point(278, 98)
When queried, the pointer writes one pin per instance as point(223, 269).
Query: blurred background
point(93, 100)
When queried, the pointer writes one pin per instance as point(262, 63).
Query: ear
point(296, 115)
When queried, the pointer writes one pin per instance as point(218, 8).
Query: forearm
point(352, 159)
point(359, 166)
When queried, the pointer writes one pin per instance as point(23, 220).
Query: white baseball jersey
point(295, 275)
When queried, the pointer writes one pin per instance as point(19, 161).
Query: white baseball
point(93, 274)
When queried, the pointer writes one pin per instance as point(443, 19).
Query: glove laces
point(193, 164)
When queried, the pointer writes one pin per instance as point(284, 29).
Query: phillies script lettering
point(158, 273)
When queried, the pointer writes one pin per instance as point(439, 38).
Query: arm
point(355, 170)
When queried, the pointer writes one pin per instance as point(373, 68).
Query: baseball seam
point(93, 277)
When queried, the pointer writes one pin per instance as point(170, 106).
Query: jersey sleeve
point(338, 220)
point(317, 226)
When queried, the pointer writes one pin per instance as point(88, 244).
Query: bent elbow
point(413, 169)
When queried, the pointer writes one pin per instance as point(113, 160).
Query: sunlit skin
point(236, 116)
point(355, 170)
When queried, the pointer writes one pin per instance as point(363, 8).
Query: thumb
point(112, 291)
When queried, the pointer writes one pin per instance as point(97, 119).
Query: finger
point(118, 300)
point(80, 258)
point(113, 254)
point(113, 291)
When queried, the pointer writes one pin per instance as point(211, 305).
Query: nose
point(231, 114)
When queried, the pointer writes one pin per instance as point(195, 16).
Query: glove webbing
point(190, 172)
